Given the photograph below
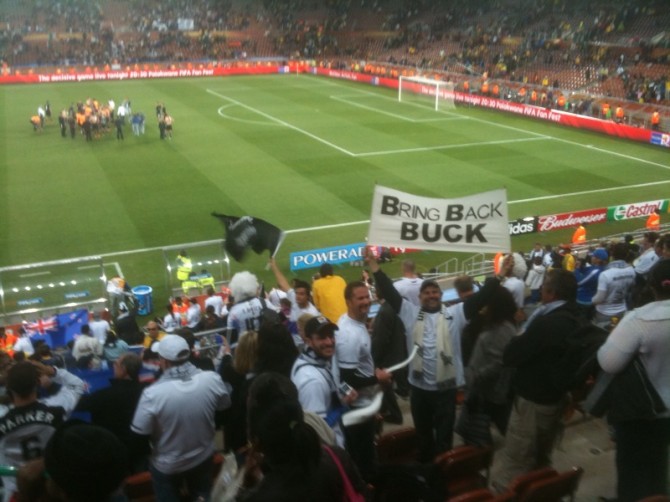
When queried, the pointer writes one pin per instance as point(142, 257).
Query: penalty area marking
point(284, 123)
point(220, 111)
point(343, 99)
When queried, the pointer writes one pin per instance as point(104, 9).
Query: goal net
point(438, 93)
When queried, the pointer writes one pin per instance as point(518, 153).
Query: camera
point(345, 389)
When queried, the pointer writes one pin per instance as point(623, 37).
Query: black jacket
point(535, 352)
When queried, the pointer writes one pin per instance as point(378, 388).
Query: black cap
point(318, 324)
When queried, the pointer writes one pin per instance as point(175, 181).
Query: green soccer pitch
point(300, 151)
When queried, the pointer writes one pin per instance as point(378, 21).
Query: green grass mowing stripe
point(261, 169)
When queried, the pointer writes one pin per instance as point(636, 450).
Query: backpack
point(579, 361)
point(268, 315)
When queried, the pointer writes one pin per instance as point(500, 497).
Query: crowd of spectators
point(518, 41)
point(491, 331)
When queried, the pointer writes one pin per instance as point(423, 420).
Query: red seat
point(483, 495)
point(521, 483)
point(138, 488)
point(553, 488)
point(398, 447)
point(462, 468)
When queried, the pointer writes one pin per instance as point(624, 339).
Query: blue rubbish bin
point(143, 296)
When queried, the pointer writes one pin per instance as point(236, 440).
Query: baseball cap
point(601, 254)
point(318, 324)
point(173, 348)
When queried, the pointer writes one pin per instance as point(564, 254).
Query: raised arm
point(281, 279)
point(382, 282)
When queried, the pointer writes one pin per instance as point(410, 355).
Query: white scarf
point(446, 370)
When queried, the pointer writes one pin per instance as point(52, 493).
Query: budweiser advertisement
point(570, 220)
point(636, 210)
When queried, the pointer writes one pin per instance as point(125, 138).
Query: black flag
point(247, 232)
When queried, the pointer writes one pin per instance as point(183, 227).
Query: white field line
point(286, 124)
point(114, 264)
point(343, 99)
point(365, 222)
point(512, 128)
point(34, 274)
point(448, 147)
point(345, 151)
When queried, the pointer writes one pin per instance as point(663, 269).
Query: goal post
point(439, 92)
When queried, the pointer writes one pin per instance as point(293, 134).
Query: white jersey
point(219, 305)
point(317, 382)
point(24, 433)
point(615, 282)
point(23, 344)
point(297, 311)
point(645, 261)
point(99, 330)
point(178, 413)
point(353, 346)
point(171, 322)
point(245, 315)
point(518, 289)
point(193, 315)
point(409, 288)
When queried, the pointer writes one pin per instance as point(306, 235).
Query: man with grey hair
point(177, 413)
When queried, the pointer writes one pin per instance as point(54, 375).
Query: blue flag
point(69, 324)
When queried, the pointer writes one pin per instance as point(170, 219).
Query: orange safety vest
point(497, 262)
point(579, 235)
point(466, 86)
point(533, 96)
point(653, 222)
point(655, 118)
point(496, 90)
point(606, 109)
point(619, 112)
point(485, 88)
point(561, 101)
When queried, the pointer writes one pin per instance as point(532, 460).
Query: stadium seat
point(554, 488)
point(521, 483)
point(138, 488)
point(398, 447)
point(461, 468)
point(483, 495)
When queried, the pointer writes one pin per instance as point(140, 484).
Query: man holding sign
point(437, 370)
point(476, 223)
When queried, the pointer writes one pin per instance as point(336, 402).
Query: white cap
point(173, 348)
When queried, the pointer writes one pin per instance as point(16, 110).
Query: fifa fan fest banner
point(564, 118)
point(473, 223)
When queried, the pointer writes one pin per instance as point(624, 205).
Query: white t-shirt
point(645, 261)
point(171, 322)
point(518, 289)
point(244, 316)
point(193, 315)
point(353, 346)
point(409, 288)
point(99, 330)
point(615, 281)
point(219, 305)
point(23, 344)
point(178, 414)
point(296, 310)
point(317, 386)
